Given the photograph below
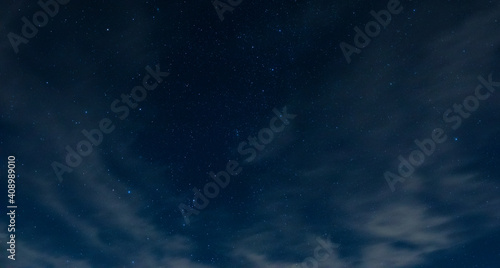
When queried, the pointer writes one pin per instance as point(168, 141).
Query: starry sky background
point(321, 177)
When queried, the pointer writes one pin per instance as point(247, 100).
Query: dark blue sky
point(313, 192)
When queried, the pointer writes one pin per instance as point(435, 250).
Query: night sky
point(238, 133)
